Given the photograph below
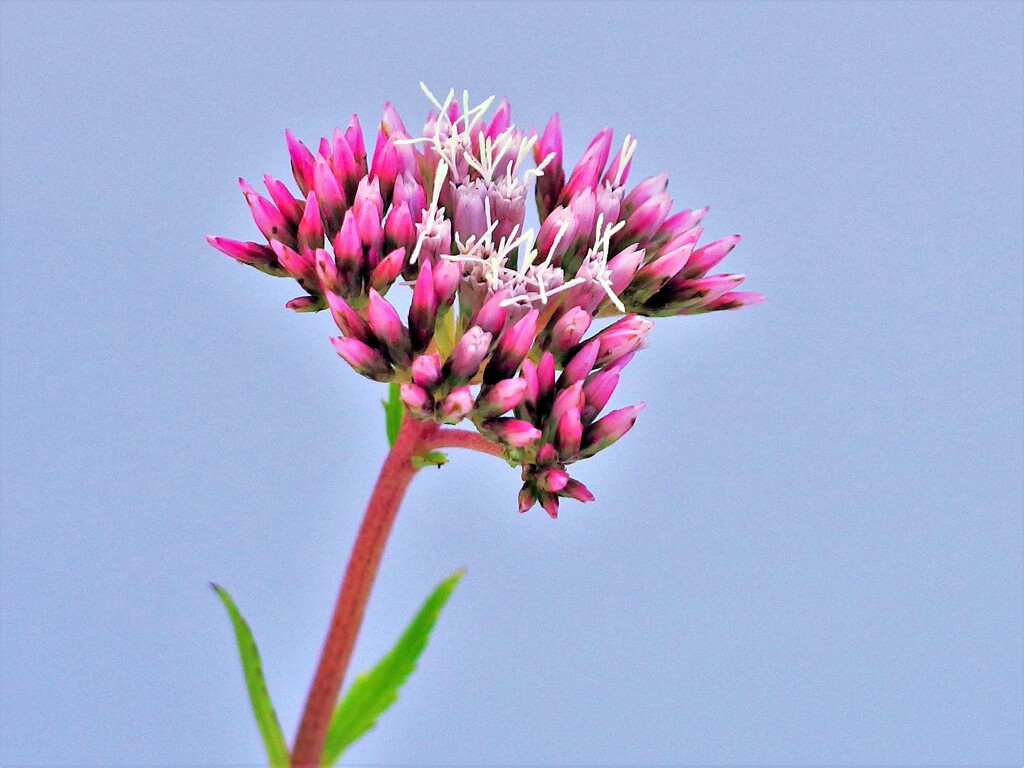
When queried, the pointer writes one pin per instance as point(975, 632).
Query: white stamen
point(628, 148)
point(431, 214)
point(429, 95)
point(597, 259)
point(539, 170)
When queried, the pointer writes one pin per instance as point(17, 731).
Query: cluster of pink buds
point(497, 326)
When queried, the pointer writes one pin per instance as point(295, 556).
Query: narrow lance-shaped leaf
point(262, 708)
point(371, 693)
point(392, 412)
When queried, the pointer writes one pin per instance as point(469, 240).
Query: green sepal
point(432, 459)
point(372, 692)
point(262, 708)
point(392, 412)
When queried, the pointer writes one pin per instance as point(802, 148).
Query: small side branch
point(462, 438)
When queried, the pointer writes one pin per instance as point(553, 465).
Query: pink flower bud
point(583, 208)
point(565, 400)
point(348, 254)
point(580, 365)
point(399, 229)
point(568, 435)
point(501, 119)
point(649, 188)
point(349, 321)
point(305, 304)
point(423, 310)
point(268, 219)
point(643, 222)
point(311, 227)
point(557, 234)
point(680, 223)
point(456, 406)
point(466, 357)
point(582, 179)
point(552, 479)
point(606, 430)
point(735, 300)
point(368, 193)
point(689, 237)
point(550, 142)
point(354, 137)
point(447, 275)
point(426, 371)
point(705, 258)
point(568, 330)
point(363, 359)
point(417, 400)
point(597, 391)
point(491, 315)
point(710, 289)
point(621, 338)
point(587, 172)
point(574, 489)
point(545, 377)
point(343, 164)
point(302, 162)
point(387, 326)
point(327, 272)
point(371, 233)
point(512, 432)
point(502, 397)
point(332, 200)
point(301, 266)
point(387, 271)
point(385, 167)
point(686, 239)
point(653, 276)
point(549, 502)
point(546, 454)
point(623, 266)
point(512, 347)
point(526, 498)
point(289, 207)
point(390, 121)
point(528, 373)
point(549, 186)
point(253, 254)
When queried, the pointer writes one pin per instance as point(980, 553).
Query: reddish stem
point(394, 478)
point(414, 438)
point(461, 438)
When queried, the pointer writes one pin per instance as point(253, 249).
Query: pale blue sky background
point(808, 551)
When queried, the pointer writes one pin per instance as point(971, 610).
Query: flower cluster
point(498, 321)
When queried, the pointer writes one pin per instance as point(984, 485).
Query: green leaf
point(266, 719)
point(373, 692)
point(392, 412)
